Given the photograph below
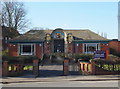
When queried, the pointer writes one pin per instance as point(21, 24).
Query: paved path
point(61, 78)
point(66, 84)
point(52, 76)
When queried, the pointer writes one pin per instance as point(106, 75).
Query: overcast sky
point(96, 16)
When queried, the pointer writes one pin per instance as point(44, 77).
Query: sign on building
point(100, 54)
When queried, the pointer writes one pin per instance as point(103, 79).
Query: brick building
point(40, 42)
point(115, 45)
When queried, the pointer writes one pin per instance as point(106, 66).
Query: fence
point(17, 69)
point(85, 68)
point(11, 69)
point(99, 68)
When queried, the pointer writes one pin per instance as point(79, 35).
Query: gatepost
point(5, 68)
point(66, 66)
point(35, 67)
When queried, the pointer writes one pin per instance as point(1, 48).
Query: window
point(91, 47)
point(59, 35)
point(26, 49)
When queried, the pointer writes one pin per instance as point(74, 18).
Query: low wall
point(105, 69)
point(85, 68)
point(15, 69)
point(99, 69)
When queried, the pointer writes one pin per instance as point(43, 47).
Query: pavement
point(54, 73)
point(32, 78)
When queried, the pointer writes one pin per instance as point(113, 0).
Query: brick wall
point(104, 47)
point(95, 70)
point(47, 48)
point(115, 45)
point(70, 48)
point(13, 49)
point(78, 48)
point(39, 50)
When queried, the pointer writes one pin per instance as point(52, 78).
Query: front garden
point(100, 66)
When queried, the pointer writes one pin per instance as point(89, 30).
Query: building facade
point(40, 42)
point(115, 45)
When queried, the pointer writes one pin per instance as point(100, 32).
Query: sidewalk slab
point(32, 78)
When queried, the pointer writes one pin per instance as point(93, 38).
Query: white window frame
point(23, 53)
point(86, 52)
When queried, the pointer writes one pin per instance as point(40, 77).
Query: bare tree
point(13, 15)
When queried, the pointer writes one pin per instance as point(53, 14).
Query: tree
point(13, 15)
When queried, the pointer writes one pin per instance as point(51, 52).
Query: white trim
point(34, 49)
point(85, 51)
point(27, 53)
point(18, 49)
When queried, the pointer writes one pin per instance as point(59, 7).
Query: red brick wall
point(39, 50)
point(47, 48)
point(79, 48)
point(13, 49)
point(73, 48)
point(70, 48)
point(104, 47)
point(115, 45)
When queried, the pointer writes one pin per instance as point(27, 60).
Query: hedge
point(21, 59)
point(104, 61)
point(83, 57)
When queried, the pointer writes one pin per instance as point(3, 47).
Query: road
point(65, 84)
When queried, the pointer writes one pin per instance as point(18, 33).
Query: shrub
point(4, 53)
point(9, 59)
point(27, 59)
point(62, 55)
point(16, 59)
point(83, 57)
point(103, 61)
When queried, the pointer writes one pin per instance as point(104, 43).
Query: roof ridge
point(63, 30)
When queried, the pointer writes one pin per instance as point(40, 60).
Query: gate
point(74, 68)
point(70, 67)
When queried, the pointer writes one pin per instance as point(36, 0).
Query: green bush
point(83, 57)
point(63, 55)
point(21, 59)
point(4, 53)
point(9, 59)
point(104, 61)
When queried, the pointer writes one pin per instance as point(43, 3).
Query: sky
point(99, 17)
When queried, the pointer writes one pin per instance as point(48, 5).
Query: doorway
point(58, 45)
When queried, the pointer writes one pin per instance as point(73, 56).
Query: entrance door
point(59, 46)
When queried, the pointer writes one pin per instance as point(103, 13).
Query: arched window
point(58, 35)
